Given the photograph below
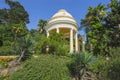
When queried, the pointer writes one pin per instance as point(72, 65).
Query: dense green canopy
point(13, 27)
point(102, 24)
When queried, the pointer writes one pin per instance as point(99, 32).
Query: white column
point(57, 30)
point(48, 34)
point(71, 40)
point(76, 42)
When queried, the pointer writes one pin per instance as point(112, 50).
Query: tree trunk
point(22, 55)
point(1, 42)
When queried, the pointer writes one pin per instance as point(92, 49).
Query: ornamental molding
point(49, 25)
point(61, 17)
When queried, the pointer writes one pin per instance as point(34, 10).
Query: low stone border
point(9, 56)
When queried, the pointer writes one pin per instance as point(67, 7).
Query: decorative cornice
point(61, 17)
point(61, 21)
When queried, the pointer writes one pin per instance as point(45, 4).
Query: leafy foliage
point(99, 68)
point(41, 26)
point(16, 13)
point(7, 39)
point(107, 68)
point(52, 45)
point(115, 53)
point(43, 67)
point(24, 47)
point(7, 48)
point(35, 35)
point(113, 22)
point(94, 23)
point(102, 26)
point(12, 27)
point(113, 70)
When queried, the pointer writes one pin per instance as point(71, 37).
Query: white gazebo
point(63, 22)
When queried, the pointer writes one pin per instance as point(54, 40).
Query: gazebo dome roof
point(62, 15)
point(62, 12)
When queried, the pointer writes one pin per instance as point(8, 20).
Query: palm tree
point(16, 29)
point(19, 30)
point(81, 66)
point(26, 43)
point(94, 24)
point(41, 26)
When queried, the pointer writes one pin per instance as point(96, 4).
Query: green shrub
point(1, 78)
point(6, 50)
point(99, 67)
point(55, 43)
point(43, 67)
point(115, 52)
point(108, 68)
point(113, 70)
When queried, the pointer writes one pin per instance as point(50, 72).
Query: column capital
point(47, 31)
point(71, 28)
point(83, 42)
point(48, 34)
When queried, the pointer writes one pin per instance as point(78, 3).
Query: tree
point(3, 16)
point(7, 40)
point(19, 30)
point(95, 27)
point(114, 13)
point(102, 27)
point(113, 22)
point(15, 15)
point(41, 26)
point(16, 12)
point(35, 34)
point(12, 25)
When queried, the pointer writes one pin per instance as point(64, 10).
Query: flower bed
point(4, 64)
point(5, 59)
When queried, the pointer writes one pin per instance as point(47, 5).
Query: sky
point(45, 9)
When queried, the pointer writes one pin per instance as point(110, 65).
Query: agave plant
point(81, 66)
